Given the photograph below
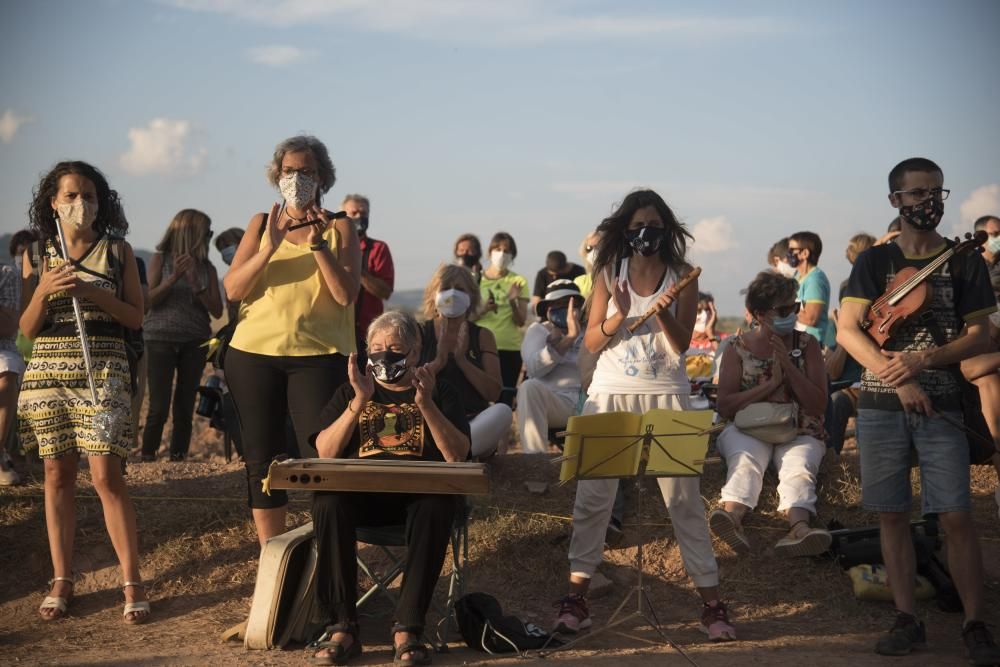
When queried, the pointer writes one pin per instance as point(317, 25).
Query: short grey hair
point(404, 324)
point(299, 144)
point(357, 199)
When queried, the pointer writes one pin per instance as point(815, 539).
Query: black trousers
point(510, 371)
point(267, 391)
point(163, 360)
point(336, 516)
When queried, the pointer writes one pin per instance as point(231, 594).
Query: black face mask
point(645, 241)
point(924, 216)
point(360, 224)
point(387, 366)
point(468, 261)
point(559, 317)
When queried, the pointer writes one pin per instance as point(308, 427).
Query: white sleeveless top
point(643, 362)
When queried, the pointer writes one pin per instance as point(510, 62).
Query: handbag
point(776, 423)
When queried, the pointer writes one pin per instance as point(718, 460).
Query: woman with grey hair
point(296, 273)
point(393, 410)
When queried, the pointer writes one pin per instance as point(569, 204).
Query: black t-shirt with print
point(956, 299)
point(390, 425)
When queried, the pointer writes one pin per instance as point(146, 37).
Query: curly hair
point(41, 217)
point(613, 246)
point(301, 144)
point(450, 276)
point(769, 289)
point(471, 238)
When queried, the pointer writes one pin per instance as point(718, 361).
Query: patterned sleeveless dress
point(55, 411)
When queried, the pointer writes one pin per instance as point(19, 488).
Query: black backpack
point(485, 628)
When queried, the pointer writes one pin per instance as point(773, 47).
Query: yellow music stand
point(624, 445)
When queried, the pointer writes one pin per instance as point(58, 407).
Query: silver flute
point(78, 316)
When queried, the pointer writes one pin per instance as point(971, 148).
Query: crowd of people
point(315, 366)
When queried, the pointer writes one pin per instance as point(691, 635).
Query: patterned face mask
point(80, 214)
point(298, 190)
point(645, 241)
point(387, 366)
point(924, 216)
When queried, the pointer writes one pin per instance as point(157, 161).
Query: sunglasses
point(785, 311)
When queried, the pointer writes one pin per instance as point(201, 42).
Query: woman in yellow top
point(296, 322)
point(505, 309)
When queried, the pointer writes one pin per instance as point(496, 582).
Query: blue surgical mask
point(784, 325)
point(558, 317)
point(228, 253)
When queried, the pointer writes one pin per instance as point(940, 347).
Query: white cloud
point(162, 148)
point(983, 201)
point(278, 55)
point(712, 235)
point(511, 21)
point(10, 123)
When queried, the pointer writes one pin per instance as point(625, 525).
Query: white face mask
point(452, 303)
point(787, 270)
point(500, 259)
point(701, 322)
point(80, 214)
point(298, 190)
point(993, 245)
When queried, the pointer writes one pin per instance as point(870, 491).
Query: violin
point(909, 295)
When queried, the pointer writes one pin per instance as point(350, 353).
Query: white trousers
point(796, 463)
point(489, 427)
point(539, 409)
point(682, 496)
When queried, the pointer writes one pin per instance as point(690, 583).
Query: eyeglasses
point(922, 194)
point(785, 311)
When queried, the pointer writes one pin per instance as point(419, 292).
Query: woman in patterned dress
point(55, 408)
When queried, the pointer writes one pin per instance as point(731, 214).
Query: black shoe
point(614, 534)
point(906, 634)
point(979, 644)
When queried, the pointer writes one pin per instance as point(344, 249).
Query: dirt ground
point(199, 554)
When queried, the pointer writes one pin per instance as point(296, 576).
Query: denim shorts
point(885, 438)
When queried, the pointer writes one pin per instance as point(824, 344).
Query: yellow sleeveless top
point(290, 312)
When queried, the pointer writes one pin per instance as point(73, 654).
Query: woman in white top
point(639, 259)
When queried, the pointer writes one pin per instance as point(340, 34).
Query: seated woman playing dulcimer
point(391, 410)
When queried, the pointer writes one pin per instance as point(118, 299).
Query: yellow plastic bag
point(871, 582)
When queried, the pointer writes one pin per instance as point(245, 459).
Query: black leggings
point(267, 390)
point(163, 358)
point(510, 371)
point(336, 517)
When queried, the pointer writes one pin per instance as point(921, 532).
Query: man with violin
point(902, 317)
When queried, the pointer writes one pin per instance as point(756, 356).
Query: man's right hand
point(914, 399)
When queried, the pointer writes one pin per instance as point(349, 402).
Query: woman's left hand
point(423, 382)
point(319, 228)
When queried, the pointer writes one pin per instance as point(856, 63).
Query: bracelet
point(606, 334)
point(322, 245)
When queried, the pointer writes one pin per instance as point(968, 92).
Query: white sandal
point(140, 609)
point(57, 603)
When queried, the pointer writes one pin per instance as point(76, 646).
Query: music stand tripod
point(646, 440)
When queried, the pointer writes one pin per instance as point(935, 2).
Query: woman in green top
point(505, 309)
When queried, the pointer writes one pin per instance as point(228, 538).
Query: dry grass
point(199, 551)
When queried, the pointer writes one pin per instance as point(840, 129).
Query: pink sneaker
point(715, 623)
point(573, 615)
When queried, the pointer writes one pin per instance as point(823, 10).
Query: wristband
point(322, 245)
point(606, 334)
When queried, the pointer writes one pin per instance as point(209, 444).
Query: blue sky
point(753, 120)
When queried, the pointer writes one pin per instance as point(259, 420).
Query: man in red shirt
point(377, 272)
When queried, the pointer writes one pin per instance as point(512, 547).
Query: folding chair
point(387, 538)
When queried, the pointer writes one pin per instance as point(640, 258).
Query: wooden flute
point(654, 309)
